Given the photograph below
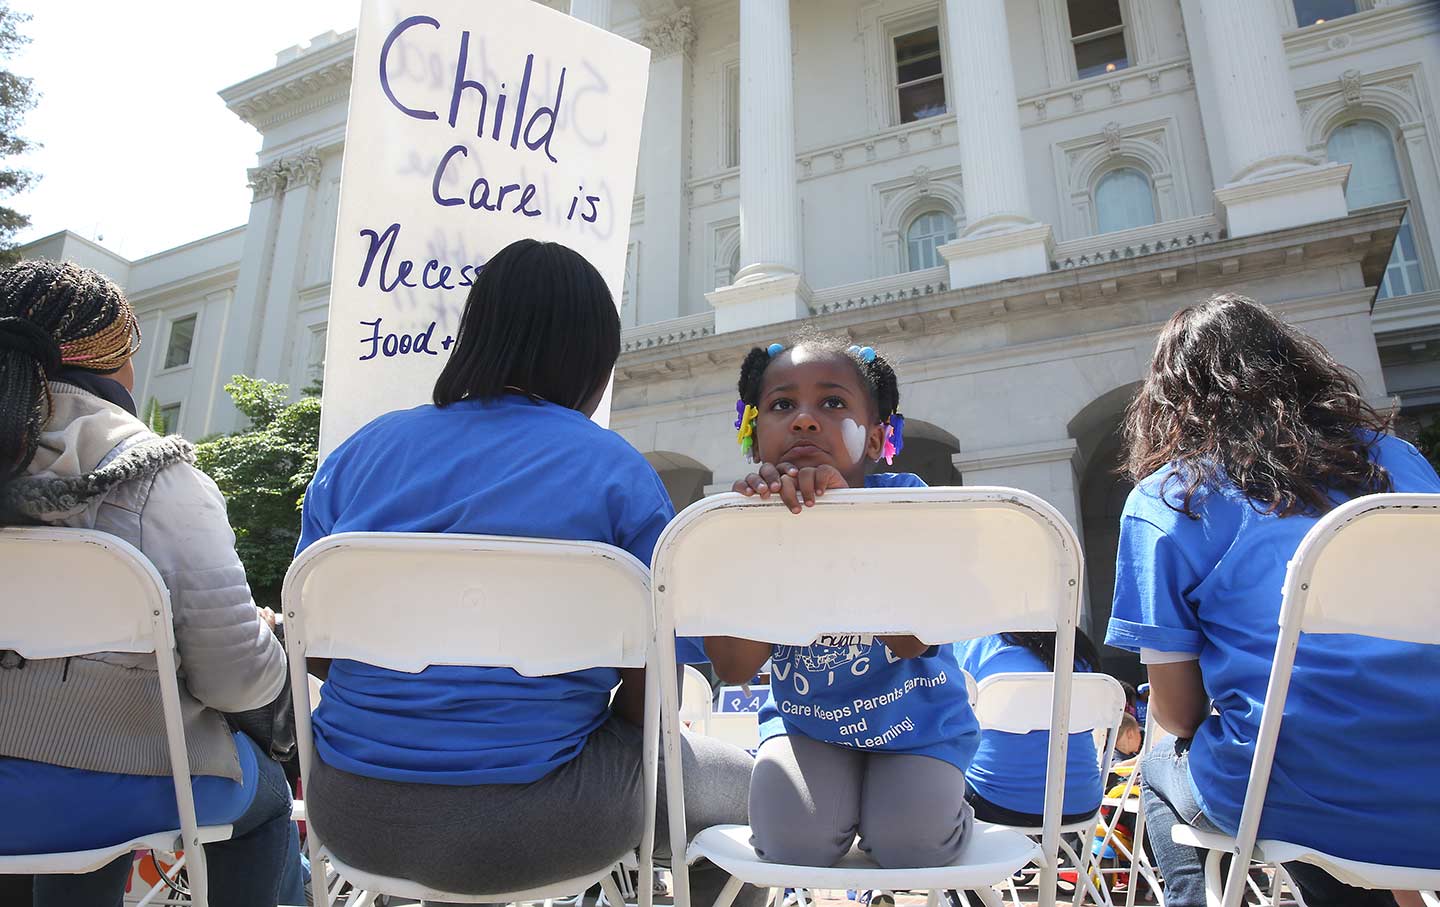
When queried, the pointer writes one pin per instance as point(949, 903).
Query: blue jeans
point(1168, 800)
point(258, 867)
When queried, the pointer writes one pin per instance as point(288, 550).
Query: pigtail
point(752, 370)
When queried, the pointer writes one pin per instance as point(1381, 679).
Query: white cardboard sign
point(472, 124)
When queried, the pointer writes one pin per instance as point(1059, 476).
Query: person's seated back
point(503, 782)
point(1006, 779)
point(84, 762)
point(1245, 433)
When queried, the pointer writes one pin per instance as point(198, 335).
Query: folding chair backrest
point(942, 563)
point(406, 601)
point(695, 698)
point(1382, 549)
point(1018, 703)
point(1369, 567)
point(107, 601)
point(79, 592)
point(536, 605)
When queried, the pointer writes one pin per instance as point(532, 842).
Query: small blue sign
point(734, 699)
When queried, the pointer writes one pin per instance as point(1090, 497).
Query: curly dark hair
point(1235, 395)
point(877, 375)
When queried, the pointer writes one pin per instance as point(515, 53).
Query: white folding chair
point(112, 600)
point(696, 703)
point(539, 606)
point(1129, 802)
point(1018, 703)
point(956, 563)
point(1368, 568)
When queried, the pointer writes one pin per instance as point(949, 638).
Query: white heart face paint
point(854, 435)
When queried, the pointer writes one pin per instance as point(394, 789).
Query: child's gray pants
point(809, 800)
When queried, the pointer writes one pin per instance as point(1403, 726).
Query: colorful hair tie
point(894, 438)
point(775, 349)
point(864, 353)
point(745, 426)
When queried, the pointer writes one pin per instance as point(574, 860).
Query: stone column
point(242, 340)
point(1271, 182)
point(300, 177)
point(1001, 239)
point(666, 140)
point(596, 12)
point(768, 287)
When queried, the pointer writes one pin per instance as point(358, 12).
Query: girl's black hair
point(1043, 646)
point(539, 320)
point(877, 375)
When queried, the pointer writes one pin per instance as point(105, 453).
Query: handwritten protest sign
point(471, 125)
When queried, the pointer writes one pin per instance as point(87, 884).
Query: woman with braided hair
point(83, 758)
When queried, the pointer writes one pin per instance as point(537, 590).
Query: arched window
point(1124, 201)
point(1375, 179)
point(734, 265)
point(927, 233)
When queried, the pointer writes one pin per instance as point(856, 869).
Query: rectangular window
point(1097, 30)
point(182, 337)
point(1316, 12)
point(732, 115)
point(919, 75)
point(315, 355)
point(170, 418)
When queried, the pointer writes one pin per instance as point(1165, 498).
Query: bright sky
point(138, 147)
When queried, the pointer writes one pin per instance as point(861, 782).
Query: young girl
point(863, 734)
point(1245, 433)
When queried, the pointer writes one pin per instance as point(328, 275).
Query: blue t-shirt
point(510, 467)
point(53, 809)
point(1355, 767)
point(1009, 769)
point(850, 690)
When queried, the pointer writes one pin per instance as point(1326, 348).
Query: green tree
point(17, 97)
point(263, 472)
point(154, 418)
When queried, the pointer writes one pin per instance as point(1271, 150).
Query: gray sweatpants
point(508, 837)
point(809, 800)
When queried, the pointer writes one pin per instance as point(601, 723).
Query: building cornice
point(1364, 237)
point(309, 81)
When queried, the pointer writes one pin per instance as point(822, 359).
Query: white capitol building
point(1119, 159)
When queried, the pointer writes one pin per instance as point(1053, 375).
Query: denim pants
point(1168, 800)
point(258, 867)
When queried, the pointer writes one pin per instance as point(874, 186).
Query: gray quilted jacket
point(100, 468)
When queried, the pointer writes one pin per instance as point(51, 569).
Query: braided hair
point(877, 375)
point(53, 314)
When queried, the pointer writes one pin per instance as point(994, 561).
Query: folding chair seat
point(538, 606)
point(958, 563)
point(113, 600)
point(1366, 568)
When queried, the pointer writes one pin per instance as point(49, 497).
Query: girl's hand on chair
point(764, 481)
point(800, 487)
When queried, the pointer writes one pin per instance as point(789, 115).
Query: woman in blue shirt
point(1006, 779)
point(864, 735)
point(1245, 433)
point(496, 781)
